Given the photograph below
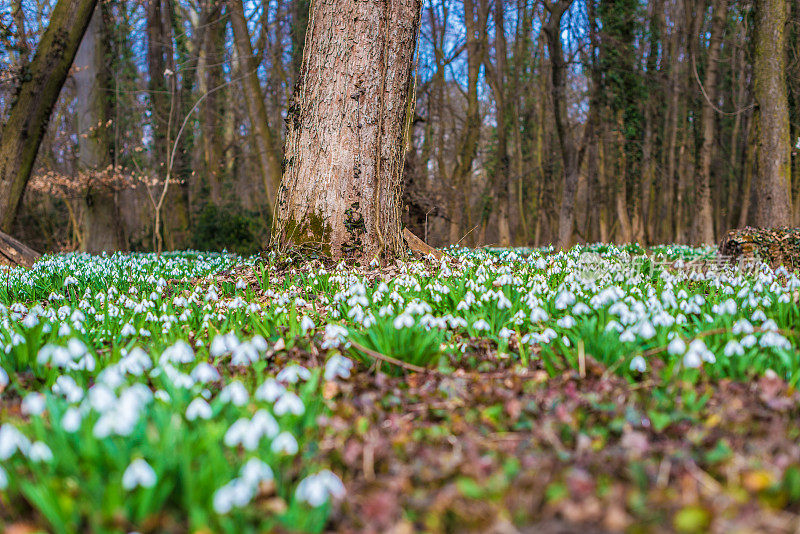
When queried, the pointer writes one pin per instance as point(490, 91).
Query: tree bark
point(15, 254)
point(773, 202)
point(266, 142)
point(569, 152)
point(703, 221)
point(345, 140)
point(102, 229)
point(42, 81)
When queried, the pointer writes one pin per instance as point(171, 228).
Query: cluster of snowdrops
point(138, 391)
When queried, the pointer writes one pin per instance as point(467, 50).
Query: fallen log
point(15, 254)
point(419, 247)
point(774, 246)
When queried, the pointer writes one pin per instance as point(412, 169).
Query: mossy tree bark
point(567, 143)
point(102, 229)
point(345, 140)
point(703, 222)
point(38, 92)
point(265, 141)
point(773, 202)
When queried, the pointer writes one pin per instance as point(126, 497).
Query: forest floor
point(602, 389)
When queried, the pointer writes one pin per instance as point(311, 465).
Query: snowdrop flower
point(403, 320)
point(241, 284)
point(581, 309)
point(566, 322)
point(284, 443)
point(697, 353)
point(235, 393)
point(180, 352)
point(30, 321)
point(539, 315)
point(289, 403)
point(775, 340)
point(264, 424)
point(128, 330)
point(293, 373)
point(244, 354)
point(204, 372)
point(101, 398)
point(70, 281)
point(65, 385)
point(758, 315)
point(255, 471)
point(269, 391)
point(480, 325)
point(676, 347)
point(235, 493)
point(40, 452)
point(306, 324)
point(646, 330)
point(334, 336)
point(198, 409)
point(692, 359)
point(138, 473)
point(627, 336)
point(748, 341)
point(337, 366)
point(236, 432)
point(733, 348)
point(71, 420)
point(638, 364)
point(223, 343)
point(4, 380)
point(33, 404)
point(316, 489)
point(11, 441)
point(505, 333)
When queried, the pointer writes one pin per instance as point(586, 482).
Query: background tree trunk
point(773, 202)
point(703, 221)
point(345, 140)
point(27, 120)
point(265, 140)
point(102, 230)
point(569, 151)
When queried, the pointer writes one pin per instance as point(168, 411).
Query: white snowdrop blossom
point(269, 391)
point(33, 404)
point(198, 409)
point(317, 489)
point(138, 474)
point(40, 453)
point(638, 364)
point(337, 366)
point(293, 373)
point(284, 443)
point(289, 403)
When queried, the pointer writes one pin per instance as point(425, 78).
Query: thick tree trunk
point(102, 229)
point(345, 139)
point(703, 221)
point(212, 108)
point(569, 151)
point(265, 141)
point(773, 202)
point(27, 120)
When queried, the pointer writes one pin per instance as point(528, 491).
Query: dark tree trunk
point(345, 139)
point(42, 81)
point(773, 202)
point(569, 150)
